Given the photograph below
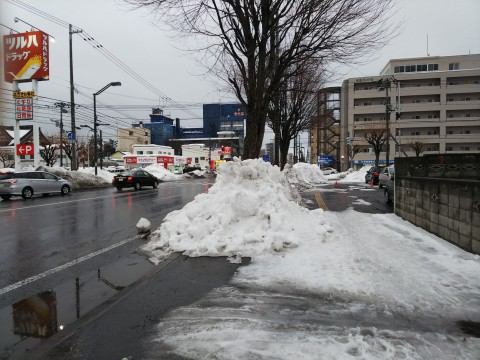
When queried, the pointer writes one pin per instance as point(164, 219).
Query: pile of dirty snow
point(248, 211)
point(161, 173)
point(357, 176)
point(302, 176)
point(83, 178)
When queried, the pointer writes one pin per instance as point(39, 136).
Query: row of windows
point(462, 148)
point(150, 152)
point(415, 68)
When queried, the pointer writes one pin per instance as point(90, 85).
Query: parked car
point(189, 169)
point(385, 175)
point(136, 178)
point(28, 183)
point(372, 174)
point(389, 193)
point(328, 171)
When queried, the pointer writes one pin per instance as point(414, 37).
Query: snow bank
point(304, 176)
point(248, 211)
point(83, 178)
point(163, 174)
point(356, 176)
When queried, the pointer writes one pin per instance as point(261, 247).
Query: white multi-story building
point(434, 101)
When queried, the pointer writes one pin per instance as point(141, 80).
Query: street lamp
point(95, 123)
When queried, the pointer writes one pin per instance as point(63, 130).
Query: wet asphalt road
point(73, 253)
point(334, 196)
point(46, 232)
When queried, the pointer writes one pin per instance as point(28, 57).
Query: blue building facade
point(161, 127)
point(224, 117)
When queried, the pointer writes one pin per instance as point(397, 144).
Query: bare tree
point(353, 150)
point(376, 136)
point(49, 151)
point(6, 158)
point(418, 147)
point(298, 106)
point(255, 45)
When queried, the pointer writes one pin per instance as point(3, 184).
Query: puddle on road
point(30, 321)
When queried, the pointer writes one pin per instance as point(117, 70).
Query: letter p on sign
point(25, 149)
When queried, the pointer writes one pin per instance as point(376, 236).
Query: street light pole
point(95, 122)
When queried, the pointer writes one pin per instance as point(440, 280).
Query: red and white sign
point(24, 109)
point(26, 56)
point(164, 159)
point(25, 149)
point(130, 159)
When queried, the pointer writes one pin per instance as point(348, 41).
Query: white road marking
point(62, 267)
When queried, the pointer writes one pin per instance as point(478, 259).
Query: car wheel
point(65, 190)
point(388, 200)
point(5, 197)
point(27, 192)
point(119, 188)
point(155, 184)
point(136, 186)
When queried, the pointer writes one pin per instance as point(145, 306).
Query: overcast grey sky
point(152, 52)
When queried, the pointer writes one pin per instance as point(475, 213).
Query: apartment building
point(432, 101)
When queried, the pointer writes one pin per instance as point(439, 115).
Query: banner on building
point(26, 56)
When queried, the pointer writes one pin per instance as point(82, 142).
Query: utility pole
point(101, 149)
point(62, 106)
point(386, 83)
point(72, 98)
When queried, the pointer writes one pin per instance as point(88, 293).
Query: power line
point(100, 48)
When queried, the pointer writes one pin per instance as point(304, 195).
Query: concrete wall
point(445, 206)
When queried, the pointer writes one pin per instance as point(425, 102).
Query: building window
point(149, 152)
point(453, 66)
point(449, 132)
point(140, 152)
point(130, 133)
point(449, 148)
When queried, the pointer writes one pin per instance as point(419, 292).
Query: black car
point(372, 174)
point(134, 178)
point(389, 193)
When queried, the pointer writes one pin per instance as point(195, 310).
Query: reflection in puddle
point(28, 322)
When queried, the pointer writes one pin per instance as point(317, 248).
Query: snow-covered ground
point(320, 285)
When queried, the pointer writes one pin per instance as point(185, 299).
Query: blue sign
point(371, 161)
point(325, 160)
point(70, 136)
point(266, 158)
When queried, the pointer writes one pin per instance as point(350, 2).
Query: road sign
point(25, 149)
point(325, 160)
point(70, 136)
